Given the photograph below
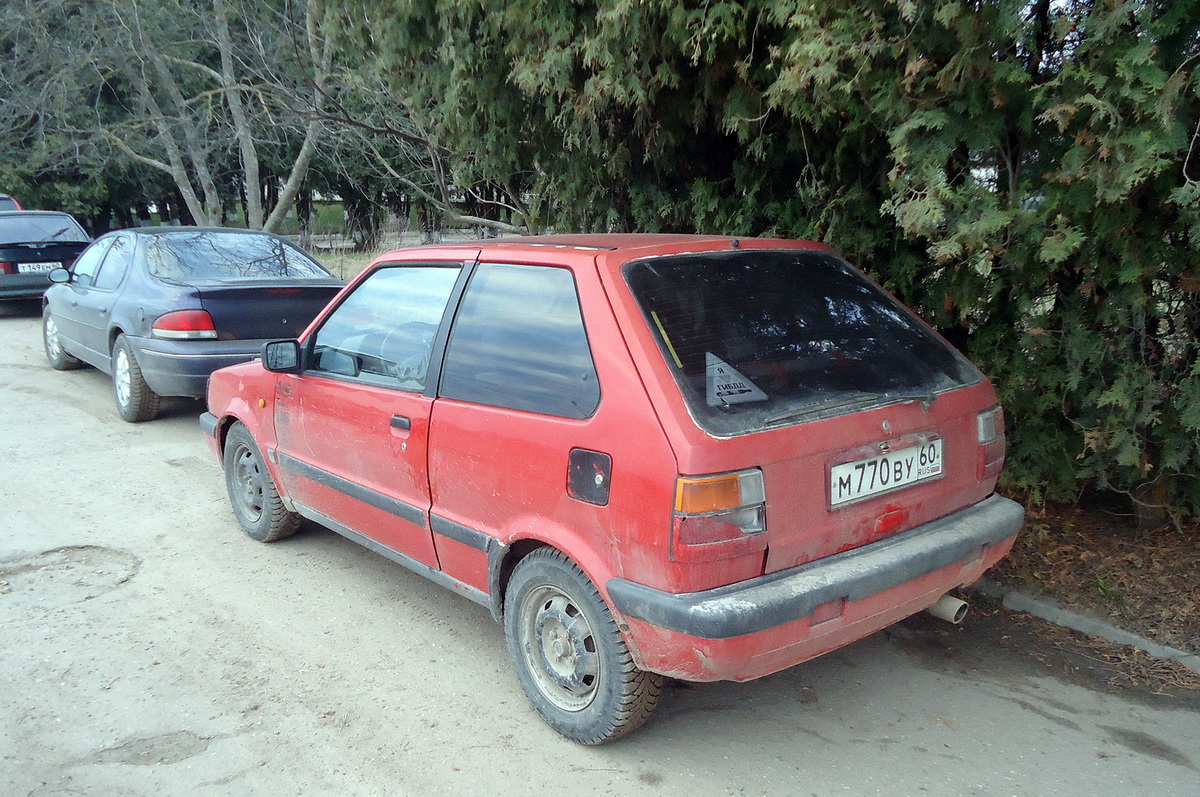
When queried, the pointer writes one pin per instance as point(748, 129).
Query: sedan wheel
point(56, 355)
point(135, 400)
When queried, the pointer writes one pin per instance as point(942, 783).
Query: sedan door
point(94, 297)
point(353, 427)
point(72, 312)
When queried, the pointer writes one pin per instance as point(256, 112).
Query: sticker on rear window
point(726, 385)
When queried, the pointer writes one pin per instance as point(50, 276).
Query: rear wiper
point(926, 398)
point(832, 403)
point(837, 402)
point(60, 232)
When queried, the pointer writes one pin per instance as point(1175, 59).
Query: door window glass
point(383, 332)
point(116, 264)
point(83, 273)
point(519, 342)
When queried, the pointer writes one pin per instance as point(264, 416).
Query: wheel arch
point(503, 559)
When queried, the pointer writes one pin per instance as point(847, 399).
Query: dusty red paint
point(502, 472)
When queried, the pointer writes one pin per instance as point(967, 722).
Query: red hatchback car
point(648, 455)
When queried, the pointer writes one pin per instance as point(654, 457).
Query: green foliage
point(1024, 172)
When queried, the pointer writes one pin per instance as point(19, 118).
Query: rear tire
point(56, 355)
point(571, 660)
point(252, 493)
point(135, 400)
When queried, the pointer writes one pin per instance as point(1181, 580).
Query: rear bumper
point(756, 627)
point(182, 368)
point(23, 286)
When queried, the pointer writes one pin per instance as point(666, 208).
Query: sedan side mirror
point(59, 275)
point(281, 356)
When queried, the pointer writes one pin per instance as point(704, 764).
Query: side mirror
point(281, 356)
point(60, 275)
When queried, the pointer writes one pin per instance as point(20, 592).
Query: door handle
point(401, 422)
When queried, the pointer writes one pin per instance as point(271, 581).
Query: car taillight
point(185, 325)
point(8, 267)
point(719, 516)
point(990, 425)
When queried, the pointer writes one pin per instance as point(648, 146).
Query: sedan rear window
point(759, 338)
point(206, 256)
point(21, 228)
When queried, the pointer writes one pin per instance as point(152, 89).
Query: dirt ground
point(148, 647)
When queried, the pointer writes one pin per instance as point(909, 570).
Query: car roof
point(175, 229)
point(35, 213)
point(613, 247)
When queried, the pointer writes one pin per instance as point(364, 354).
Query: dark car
point(32, 244)
point(162, 308)
point(696, 457)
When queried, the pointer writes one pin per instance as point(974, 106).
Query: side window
point(83, 273)
point(120, 255)
point(519, 342)
point(383, 332)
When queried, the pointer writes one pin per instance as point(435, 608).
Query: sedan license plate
point(33, 268)
point(854, 481)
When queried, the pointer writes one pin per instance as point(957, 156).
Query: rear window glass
point(40, 228)
point(206, 257)
point(762, 338)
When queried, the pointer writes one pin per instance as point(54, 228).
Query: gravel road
point(147, 647)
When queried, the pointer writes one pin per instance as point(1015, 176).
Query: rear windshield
point(23, 228)
point(763, 338)
point(207, 257)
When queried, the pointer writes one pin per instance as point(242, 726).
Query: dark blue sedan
point(162, 308)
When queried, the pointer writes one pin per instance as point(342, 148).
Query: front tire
point(252, 493)
point(570, 658)
point(56, 355)
point(135, 400)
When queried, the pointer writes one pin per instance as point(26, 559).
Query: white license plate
point(32, 268)
point(853, 481)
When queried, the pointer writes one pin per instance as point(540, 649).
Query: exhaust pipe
point(950, 609)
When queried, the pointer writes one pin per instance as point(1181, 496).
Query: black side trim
point(777, 598)
point(436, 576)
point(208, 424)
point(460, 533)
point(413, 514)
point(437, 353)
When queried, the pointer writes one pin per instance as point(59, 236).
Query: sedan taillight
point(185, 325)
point(8, 267)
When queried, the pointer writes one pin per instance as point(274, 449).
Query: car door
point(94, 297)
point(353, 426)
point(72, 310)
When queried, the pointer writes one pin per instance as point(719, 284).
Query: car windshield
point(759, 338)
point(208, 256)
point(23, 228)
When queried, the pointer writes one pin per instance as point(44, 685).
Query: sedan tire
point(135, 400)
point(56, 355)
